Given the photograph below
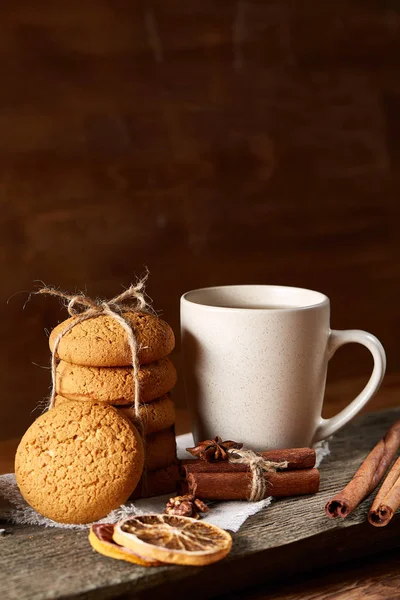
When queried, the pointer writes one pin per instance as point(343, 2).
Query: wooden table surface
point(376, 578)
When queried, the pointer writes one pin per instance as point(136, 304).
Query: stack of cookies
point(95, 365)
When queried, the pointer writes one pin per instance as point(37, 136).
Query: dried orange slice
point(173, 539)
point(101, 539)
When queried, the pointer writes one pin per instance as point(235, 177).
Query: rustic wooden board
point(291, 536)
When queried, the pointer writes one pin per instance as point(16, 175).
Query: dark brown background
point(214, 142)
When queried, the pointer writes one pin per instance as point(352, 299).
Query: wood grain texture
point(291, 536)
point(375, 579)
point(216, 142)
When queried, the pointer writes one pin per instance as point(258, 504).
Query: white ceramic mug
point(255, 363)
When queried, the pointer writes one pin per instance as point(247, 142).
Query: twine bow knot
point(131, 299)
point(258, 466)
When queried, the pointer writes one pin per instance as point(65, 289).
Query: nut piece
point(186, 506)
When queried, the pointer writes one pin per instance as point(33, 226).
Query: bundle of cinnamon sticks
point(366, 480)
point(225, 480)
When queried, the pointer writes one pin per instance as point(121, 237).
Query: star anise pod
point(214, 450)
point(186, 506)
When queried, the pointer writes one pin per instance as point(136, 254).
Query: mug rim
point(323, 301)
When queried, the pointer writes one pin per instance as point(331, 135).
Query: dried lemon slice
point(101, 539)
point(173, 539)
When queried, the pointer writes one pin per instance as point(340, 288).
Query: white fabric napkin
point(228, 515)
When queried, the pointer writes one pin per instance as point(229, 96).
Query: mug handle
point(328, 427)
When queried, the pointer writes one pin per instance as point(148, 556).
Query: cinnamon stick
point(297, 458)
point(237, 485)
point(387, 500)
point(367, 477)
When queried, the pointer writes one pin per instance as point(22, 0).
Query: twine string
point(134, 348)
point(258, 466)
point(83, 317)
point(84, 308)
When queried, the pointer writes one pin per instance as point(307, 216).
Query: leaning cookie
point(157, 483)
point(155, 416)
point(79, 461)
point(160, 449)
point(102, 342)
point(114, 385)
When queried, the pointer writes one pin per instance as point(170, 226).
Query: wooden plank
point(215, 142)
point(291, 536)
point(376, 578)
